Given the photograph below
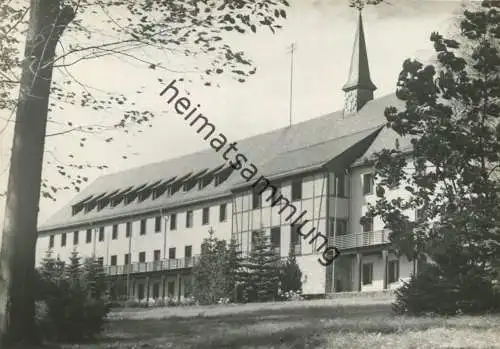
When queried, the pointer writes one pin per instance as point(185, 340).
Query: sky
point(323, 31)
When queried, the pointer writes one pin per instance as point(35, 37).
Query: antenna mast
point(291, 50)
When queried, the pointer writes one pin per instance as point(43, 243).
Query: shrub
point(431, 291)
point(72, 305)
point(290, 278)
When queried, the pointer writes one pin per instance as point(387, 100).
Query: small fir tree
point(261, 272)
point(210, 274)
point(290, 275)
point(94, 278)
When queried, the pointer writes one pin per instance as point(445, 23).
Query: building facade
point(314, 182)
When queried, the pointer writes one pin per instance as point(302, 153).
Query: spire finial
point(359, 86)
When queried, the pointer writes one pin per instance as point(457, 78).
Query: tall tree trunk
point(48, 19)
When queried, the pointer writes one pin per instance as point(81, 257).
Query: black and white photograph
point(249, 174)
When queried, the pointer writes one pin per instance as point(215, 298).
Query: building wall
point(377, 284)
point(149, 242)
point(359, 201)
point(312, 202)
point(241, 220)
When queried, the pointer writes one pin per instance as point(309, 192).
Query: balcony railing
point(371, 238)
point(166, 264)
point(342, 242)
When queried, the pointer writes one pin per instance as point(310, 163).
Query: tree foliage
point(260, 273)
point(214, 274)
point(133, 31)
point(290, 275)
point(71, 301)
point(451, 117)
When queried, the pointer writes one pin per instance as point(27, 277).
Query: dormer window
point(189, 185)
point(117, 199)
point(104, 201)
point(222, 176)
point(91, 204)
point(146, 192)
point(204, 181)
point(130, 197)
point(76, 208)
point(159, 191)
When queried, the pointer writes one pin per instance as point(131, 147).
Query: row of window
point(169, 290)
point(392, 273)
point(205, 219)
point(188, 253)
point(339, 189)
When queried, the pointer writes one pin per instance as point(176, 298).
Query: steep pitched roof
point(275, 153)
point(359, 73)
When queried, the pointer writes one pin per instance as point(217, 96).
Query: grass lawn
point(325, 324)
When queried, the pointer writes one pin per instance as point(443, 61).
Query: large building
point(147, 224)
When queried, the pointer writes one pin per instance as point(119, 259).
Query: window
point(142, 257)
point(114, 233)
point(393, 271)
point(89, 236)
point(114, 259)
point(276, 238)
point(367, 273)
point(295, 240)
point(222, 212)
point(296, 190)
point(100, 260)
point(188, 286)
point(75, 238)
point(51, 241)
point(101, 234)
point(63, 239)
point(143, 227)
point(188, 251)
point(340, 190)
point(189, 219)
point(173, 221)
point(140, 291)
point(156, 290)
point(128, 229)
point(156, 255)
point(157, 224)
point(368, 225)
point(171, 288)
point(338, 226)
point(126, 259)
point(254, 237)
point(205, 215)
point(171, 253)
point(256, 200)
point(367, 184)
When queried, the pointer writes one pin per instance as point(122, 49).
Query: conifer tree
point(74, 268)
point(233, 270)
point(260, 272)
point(94, 278)
point(210, 273)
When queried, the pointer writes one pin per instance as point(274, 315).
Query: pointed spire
point(359, 86)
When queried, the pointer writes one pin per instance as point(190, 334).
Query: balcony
point(163, 265)
point(373, 238)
